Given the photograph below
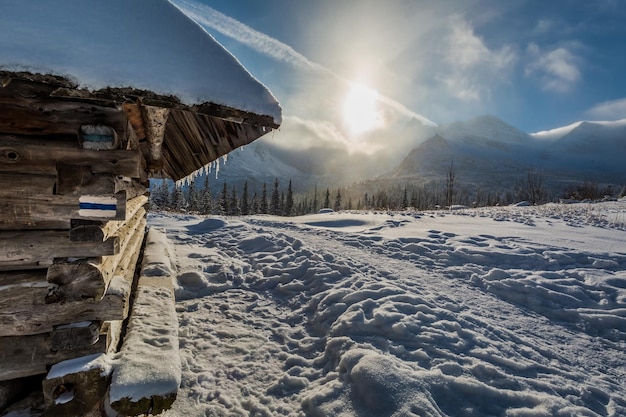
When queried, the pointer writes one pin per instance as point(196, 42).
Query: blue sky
point(535, 64)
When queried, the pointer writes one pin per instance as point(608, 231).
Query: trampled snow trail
point(303, 319)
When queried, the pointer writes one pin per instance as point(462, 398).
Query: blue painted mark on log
point(96, 206)
point(98, 138)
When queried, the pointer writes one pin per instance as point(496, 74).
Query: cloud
point(609, 110)
point(472, 65)
point(557, 70)
point(210, 18)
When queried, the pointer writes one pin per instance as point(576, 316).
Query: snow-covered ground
point(509, 311)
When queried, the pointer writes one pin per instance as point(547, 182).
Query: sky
point(348, 73)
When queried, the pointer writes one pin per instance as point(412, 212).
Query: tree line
point(279, 200)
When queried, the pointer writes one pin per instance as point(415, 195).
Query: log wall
point(72, 224)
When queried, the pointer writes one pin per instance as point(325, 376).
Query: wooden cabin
point(75, 265)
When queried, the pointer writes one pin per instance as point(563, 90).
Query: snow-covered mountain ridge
point(486, 152)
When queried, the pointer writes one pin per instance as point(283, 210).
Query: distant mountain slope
point(486, 151)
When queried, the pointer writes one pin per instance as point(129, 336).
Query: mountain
point(487, 152)
point(589, 146)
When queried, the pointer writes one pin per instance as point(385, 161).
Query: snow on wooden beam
point(147, 374)
point(77, 386)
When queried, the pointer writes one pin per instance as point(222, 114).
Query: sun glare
point(360, 110)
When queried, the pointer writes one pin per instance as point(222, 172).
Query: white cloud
point(557, 69)
point(211, 18)
point(609, 110)
point(473, 66)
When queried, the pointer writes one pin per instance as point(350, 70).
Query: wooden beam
point(31, 155)
point(77, 386)
point(74, 335)
point(80, 180)
point(37, 249)
point(97, 231)
point(22, 356)
point(155, 121)
point(26, 185)
point(24, 310)
point(40, 212)
point(29, 108)
point(89, 278)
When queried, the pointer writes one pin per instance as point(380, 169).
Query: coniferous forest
point(278, 198)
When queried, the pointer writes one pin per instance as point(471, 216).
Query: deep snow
point(507, 311)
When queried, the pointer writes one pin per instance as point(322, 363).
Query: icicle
point(217, 168)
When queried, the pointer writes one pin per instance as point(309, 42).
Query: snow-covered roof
point(139, 44)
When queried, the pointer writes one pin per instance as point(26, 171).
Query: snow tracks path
point(300, 320)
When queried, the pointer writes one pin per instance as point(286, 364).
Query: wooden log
point(80, 180)
point(113, 331)
point(155, 121)
point(42, 212)
point(24, 311)
point(38, 109)
point(89, 278)
point(75, 335)
point(77, 386)
point(28, 155)
point(142, 359)
point(133, 113)
point(22, 356)
point(98, 231)
point(26, 184)
point(37, 249)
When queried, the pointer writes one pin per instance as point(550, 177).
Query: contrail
point(209, 18)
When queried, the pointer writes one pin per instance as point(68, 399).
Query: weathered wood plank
point(80, 180)
point(26, 185)
point(43, 212)
point(28, 155)
point(22, 356)
point(75, 335)
point(89, 278)
point(24, 309)
point(153, 313)
point(15, 390)
point(98, 231)
point(37, 249)
point(77, 386)
point(30, 108)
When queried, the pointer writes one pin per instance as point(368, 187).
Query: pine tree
point(245, 204)
point(178, 201)
point(316, 203)
point(255, 207)
point(222, 205)
point(263, 209)
point(193, 203)
point(405, 199)
point(275, 201)
point(327, 199)
point(233, 203)
point(337, 205)
point(289, 201)
point(206, 200)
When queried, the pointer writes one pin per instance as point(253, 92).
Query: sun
point(360, 110)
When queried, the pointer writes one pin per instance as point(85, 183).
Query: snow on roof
point(142, 44)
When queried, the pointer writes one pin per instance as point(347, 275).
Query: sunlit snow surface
point(512, 311)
